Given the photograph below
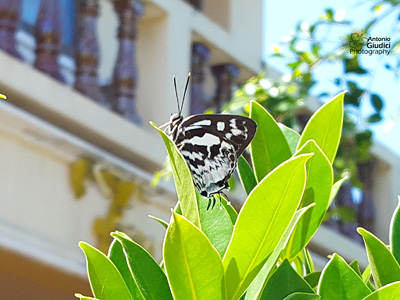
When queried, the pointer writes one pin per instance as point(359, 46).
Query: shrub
point(261, 252)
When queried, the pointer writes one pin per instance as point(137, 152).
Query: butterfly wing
point(211, 145)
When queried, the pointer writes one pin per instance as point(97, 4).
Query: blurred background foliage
point(305, 54)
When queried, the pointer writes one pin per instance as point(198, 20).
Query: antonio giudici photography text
point(374, 45)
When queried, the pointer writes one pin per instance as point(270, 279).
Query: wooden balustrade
point(47, 32)
point(366, 208)
point(9, 18)
point(87, 51)
point(200, 55)
point(125, 71)
point(225, 74)
point(197, 4)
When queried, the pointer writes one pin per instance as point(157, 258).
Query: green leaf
point(105, 280)
point(216, 225)
point(325, 127)
point(161, 221)
point(292, 137)
point(193, 266)
point(302, 296)
point(335, 189)
point(183, 180)
point(366, 277)
point(117, 256)
point(396, 47)
point(313, 278)
point(318, 190)
point(147, 274)
point(390, 291)
point(259, 282)
point(269, 147)
point(262, 222)
point(246, 175)
point(385, 268)
point(356, 267)
point(351, 65)
point(374, 118)
point(284, 282)
point(377, 102)
point(395, 233)
point(80, 296)
point(230, 210)
point(339, 281)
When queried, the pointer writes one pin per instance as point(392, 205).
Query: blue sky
point(281, 18)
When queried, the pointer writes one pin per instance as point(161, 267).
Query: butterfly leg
point(209, 203)
point(225, 196)
point(211, 199)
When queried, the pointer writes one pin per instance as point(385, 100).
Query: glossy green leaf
point(269, 147)
point(193, 266)
point(325, 127)
point(308, 262)
point(105, 279)
point(395, 233)
point(161, 221)
point(117, 256)
point(313, 278)
point(246, 175)
point(292, 137)
point(258, 284)
point(302, 296)
point(216, 225)
point(385, 268)
point(147, 274)
point(284, 282)
point(366, 277)
point(339, 281)
point(80, 296)
point(318, 190)
point(366, 274)
point(183, 180)
point(387, 292)
point(262, 222)
point(356, 267)
point(335, 189)
point(230, 210)
point(377, 102)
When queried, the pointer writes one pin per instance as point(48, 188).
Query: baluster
point(9, 17)
point(125, 71)
point(87, 53)
point(345, 199)
point(198, 4)
point(225, 75)
point(366, 209)
point(47, 32)
point(200, 55)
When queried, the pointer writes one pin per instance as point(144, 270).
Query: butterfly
point(211, 145)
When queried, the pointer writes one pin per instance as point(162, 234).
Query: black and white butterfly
point(211, 145)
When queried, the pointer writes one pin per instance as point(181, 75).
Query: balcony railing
point(49, 24)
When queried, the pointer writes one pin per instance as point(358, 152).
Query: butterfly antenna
point(186, 86)
point(176, 94)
